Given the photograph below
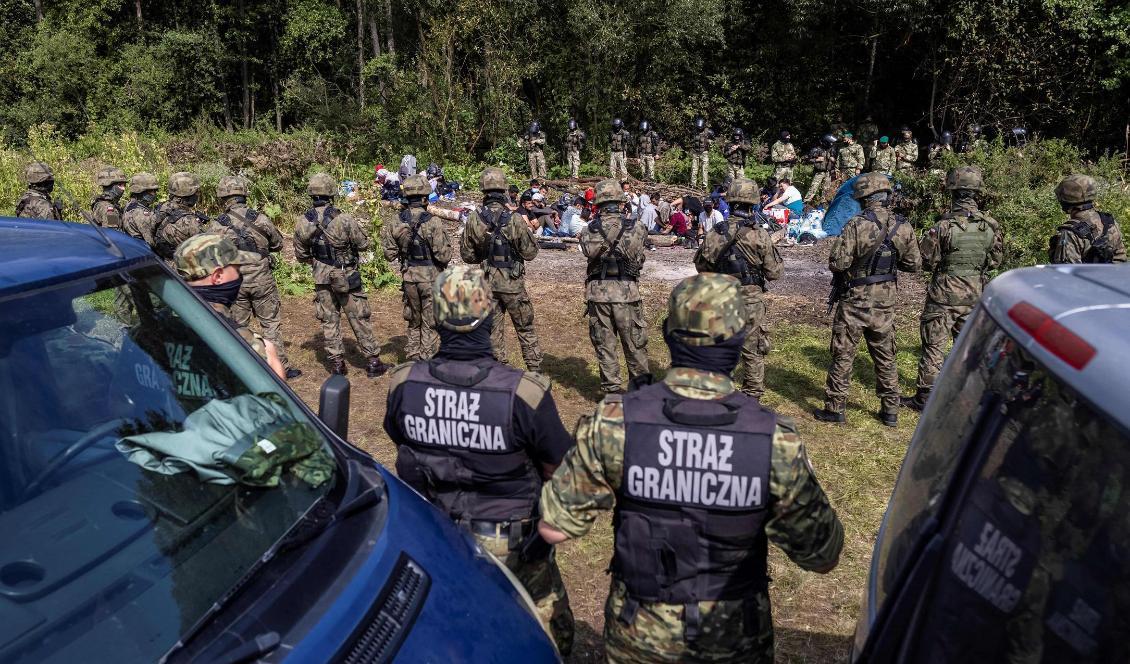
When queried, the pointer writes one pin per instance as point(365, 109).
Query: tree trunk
point(870, 74)
point(243, 74)
point(933, 97)
point(227, 110)
point(278, 103)
point(390, 39)
point(137, 12)
point(361, 52)
point(38, 10)
point(375, 35)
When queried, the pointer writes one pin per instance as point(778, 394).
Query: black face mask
point(147, 198)
point(720, 358)
point(224, 294)
point(46, 187)
point(115, 192)
point(466, 346)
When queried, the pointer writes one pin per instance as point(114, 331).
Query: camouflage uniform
point(906, 154)
point(104, 209)
point(867, 310)
point(851, 159)
point(461, 301)
point(177, 219)
point(574, 143)
point(762, 263)
point(534, 143)
point(799, 518)
point(735, 154)
point(868, 131)
point(824, 174)
point(883, 159)
point(700, 157)
point(934, 155)
point(422, 248)
point(783, 156)
point(36, 203)
point(618, 143)
point(255, 233)
point(615, 256)
point(508, 285)
point(138, 218)
point(1085, 237)
point(959, 250)
point(337, 285)
point(648, 145)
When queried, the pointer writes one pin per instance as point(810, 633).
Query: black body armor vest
point(320, 246)
point(418, 252)
point(613, 265)
point(733, 262)
point(161, 246)
point(501, 251)
point(243, 241)
point(459, 450)
point(691, 508)
point(882, 264)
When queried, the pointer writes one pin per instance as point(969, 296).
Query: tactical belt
point(619, 277)
point(515, 531)
point(336, 264)
point(873, 279)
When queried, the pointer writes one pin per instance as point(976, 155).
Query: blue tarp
point(843, 207)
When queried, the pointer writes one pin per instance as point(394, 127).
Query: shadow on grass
point(353, 355)
point(588, 645)
point(574, 373)
point(794, 645)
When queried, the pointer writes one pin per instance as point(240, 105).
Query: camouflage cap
point(416, 186)
point(461, 298)
point(37, 172)
point(183, 185)
point(321, 184)
point(200, 255)
point(965, 177)
point(743, 190)
point(869, 183)
point(1076, 189)
point(492, 179)
point(706, 309)
point(109, 175)
point(231, 185)
point(607, 191)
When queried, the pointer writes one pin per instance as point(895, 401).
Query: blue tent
point(843, 207)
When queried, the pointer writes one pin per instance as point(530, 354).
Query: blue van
point(164, 497)
point(1007, 537)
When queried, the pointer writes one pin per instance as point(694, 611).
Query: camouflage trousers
point(647, 165)
point(260, 297)
point(939, 325)
point(536, 158)
point(521, 312)
point(618, 165)
point(818, 189)
point(700, 167)
point(756, 345)
point(328, 306)
point(542, 580)
point(423, 341)
point(574, 159)
point(735, 171)
point(877, 326)
point(730, 631)
point(623, 321)
point(783, 172)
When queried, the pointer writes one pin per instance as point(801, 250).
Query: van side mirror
point(333, 405)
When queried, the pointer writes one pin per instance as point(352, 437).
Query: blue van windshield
point(148, 460)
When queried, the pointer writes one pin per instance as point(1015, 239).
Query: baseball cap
point(200, 255)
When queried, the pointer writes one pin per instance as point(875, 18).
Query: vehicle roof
point(1093, 301)
point(38, 253)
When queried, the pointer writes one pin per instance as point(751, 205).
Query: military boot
point(376, 367)
point(825, 415)
point(916, 402)
point(292, 373)
point(889, 419)
point(338, 366)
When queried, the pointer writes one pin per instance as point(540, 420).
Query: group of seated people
point(388, 182)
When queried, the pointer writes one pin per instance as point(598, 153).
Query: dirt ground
point(814, 615)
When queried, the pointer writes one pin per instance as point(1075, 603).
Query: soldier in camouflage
point(210, 264)
point(875, 245)
point(105, 209)
point(735, 153)
point(1088, 235)
point(783, 155)
point(36, 202)
point(618, 143)
point(615, 246)
point(868, 131)
point(178, 219)
point(960, 250)
point(883, 157)
point(331, 241)
point(491, 489)
point(253, 232)
point(935, 152)
point(743, 249)
point(648, 147)
point(906, 154)
point(823, 160)
point(574, 143)
point(418, 242)
point(666, 603)
point(850, 160)
point(700, 154)
point(138, 218)
point(534, 143)
point(498, 239)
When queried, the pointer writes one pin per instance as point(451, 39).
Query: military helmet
point(231, 185)
point(965, 177)
point(416, 186)
point(828, 139)
point(947, 137)
point(975, 129)
point(699, 123)
point(321, 184)
point(706, 309)
point(1075, 189)
point(617, 123)
point(38, 172)
point(461, 298)
point(141, 182)
point(109, 175)
point(644, 125)
point(869, 183)
point(905, 130)
point(492, 179)
point(786, 136)
point(572, 124)
point(183, 185)
point(607, 191)
point(200, 255)
point(535, 127)
point(738, 133)
point(743, 190)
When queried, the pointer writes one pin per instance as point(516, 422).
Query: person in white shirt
point(709, 216)
point(787, 196)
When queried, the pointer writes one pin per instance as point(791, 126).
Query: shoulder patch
point(533, 388)
point(786, 424)
point(399, 375)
